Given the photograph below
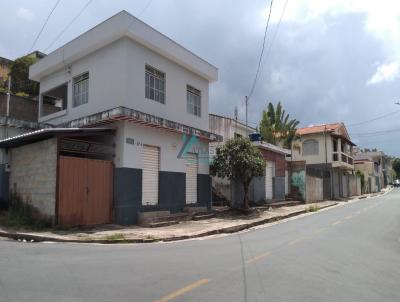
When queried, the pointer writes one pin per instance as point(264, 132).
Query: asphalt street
point(347, 253)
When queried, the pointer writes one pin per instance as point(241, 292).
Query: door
point(269, 174)
point(85, 189)
point(345, 185)
point(286, 182)
point(151, 168)
point(336, 184)
point(191, 178)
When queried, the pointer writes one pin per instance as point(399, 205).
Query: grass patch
point(312, 208)
point(22, 215)
point(116, 236)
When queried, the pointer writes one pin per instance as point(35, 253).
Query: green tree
point(396, 166)
point(360, 174)
point(276, 127)
point(20, 81)
point(240, 161)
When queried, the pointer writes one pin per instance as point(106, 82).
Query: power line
point(69, 24)
point(141, 13)
point(44, 25)
point(262, 52)
point(277, 28)
point(376, 133)
point(144, 8)
point(374, 119)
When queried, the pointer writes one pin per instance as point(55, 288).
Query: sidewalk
point(181, 231)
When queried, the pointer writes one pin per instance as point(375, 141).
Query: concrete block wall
point(33, 175)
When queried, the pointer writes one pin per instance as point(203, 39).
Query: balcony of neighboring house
point(342, 155)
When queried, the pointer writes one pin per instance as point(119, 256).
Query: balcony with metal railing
point(342, 160)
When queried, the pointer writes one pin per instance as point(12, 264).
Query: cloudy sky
point(327, 61)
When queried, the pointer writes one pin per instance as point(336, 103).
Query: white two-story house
point(327, 152)
point(139, 101)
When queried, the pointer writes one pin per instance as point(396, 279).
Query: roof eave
point(122, 25)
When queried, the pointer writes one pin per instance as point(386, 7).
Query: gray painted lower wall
point(258, 189)
point(4, 186)
point(127, 195)
point(172, 194)
point(204, 190)
point(172, 191)
point(279, 188)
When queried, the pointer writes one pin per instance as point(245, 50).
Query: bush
point(312, 209)
point(21, 214)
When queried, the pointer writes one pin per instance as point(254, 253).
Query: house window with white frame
point(193, 101)
point(155, 85)
point(81, 89)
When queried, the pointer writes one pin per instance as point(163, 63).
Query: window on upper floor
point(81, 89)
point(310, 147)
point(54, 100)
point(155, 84)
point(193, 101)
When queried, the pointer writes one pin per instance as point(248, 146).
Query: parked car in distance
point(396, 183)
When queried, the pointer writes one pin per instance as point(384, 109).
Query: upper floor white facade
point(123, 62)
point(324, 145)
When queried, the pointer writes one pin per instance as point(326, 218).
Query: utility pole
point(8, 95)
point(247, 104)
point(236, 117)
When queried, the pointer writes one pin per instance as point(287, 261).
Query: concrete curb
point(227, 230)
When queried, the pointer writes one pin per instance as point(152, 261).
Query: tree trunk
point(246, 193)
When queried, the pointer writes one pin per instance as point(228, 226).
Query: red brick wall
point(279, 159)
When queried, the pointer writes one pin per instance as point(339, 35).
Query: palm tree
point(276, 127)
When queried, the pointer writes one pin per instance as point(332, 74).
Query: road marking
point(358, 212)
point(258, 257)
point(349, 216)
point(336, 223)
point(183, 290)
point(295, 241)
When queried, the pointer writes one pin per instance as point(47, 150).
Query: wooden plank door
point(72, 186)
point(98, 208)
point(85, 191)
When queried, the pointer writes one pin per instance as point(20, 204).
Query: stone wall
point(33, 175)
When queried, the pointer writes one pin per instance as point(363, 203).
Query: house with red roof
point(326, 152)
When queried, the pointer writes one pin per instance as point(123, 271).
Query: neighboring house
point(36, 54)
point(369, 167)
point(5, 65)
point(269, 187)
point(21, 118)
point(227, 128)
point(129, 108)
point(273, 186)
point(382, 167)
point(323, 161)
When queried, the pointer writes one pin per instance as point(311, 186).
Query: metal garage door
point(85, 191)
point(151, 167)
point(269, 174)
point(345, 185)
point(286, 182)
point(191, 178)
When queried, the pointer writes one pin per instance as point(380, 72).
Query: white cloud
point(386, 72)
point(25, 14)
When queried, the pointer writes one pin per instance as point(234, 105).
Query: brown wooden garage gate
point(85, 191)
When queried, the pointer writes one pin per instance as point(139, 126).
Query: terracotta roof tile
point(318, 129)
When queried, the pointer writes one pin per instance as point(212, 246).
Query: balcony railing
point(344, 158)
